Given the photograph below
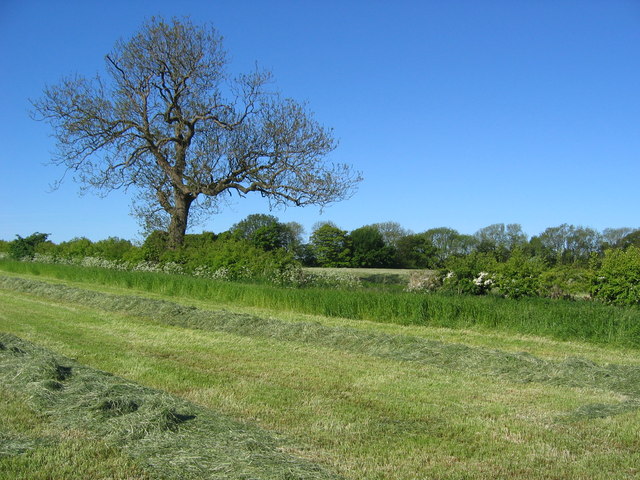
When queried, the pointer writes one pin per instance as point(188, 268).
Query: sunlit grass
point(33, 448)
point(360, 411)
point(556, 319)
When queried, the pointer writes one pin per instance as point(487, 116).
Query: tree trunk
point(179, 216)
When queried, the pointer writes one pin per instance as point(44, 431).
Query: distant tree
point(416, 251)
point(448, 241)
point(391, 232)
point(582, 242)
point(630, 239)
point(112, 248)
point(554, 240)
point(330, 246)
point(614, 237)
point(77, 247)
point(247, 227)
point(369, 248)
point(500, 240)
point(271, 237)
point(26, 247)
point(568, 244)
point(268, 233)
point(168, 121)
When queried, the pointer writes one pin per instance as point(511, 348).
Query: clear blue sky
point(458, 113)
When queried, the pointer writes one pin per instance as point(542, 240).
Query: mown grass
point(365, 403)
point(558, 319)
point(32, 447)
point(171, 438)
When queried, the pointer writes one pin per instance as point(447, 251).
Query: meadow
point(167, 376)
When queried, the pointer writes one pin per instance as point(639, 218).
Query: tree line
point(561, 262)
point(379, 245)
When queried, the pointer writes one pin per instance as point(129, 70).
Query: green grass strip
point(170, 437)
point(558, 319)
point(519, 367)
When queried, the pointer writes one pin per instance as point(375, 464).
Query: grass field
point(562, 320)
point(301, 395)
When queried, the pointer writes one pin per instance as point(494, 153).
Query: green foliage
point(330, 246)
point(618, 279)
point(233, 258)
point(247, 228)
point(369, 248)
point(568, 244)
point(449, 242)
point(271, 237)
point(76, 247)
point(26, 247)
point(632, 238)
point(520, 276)
point(565, 281)
point(268, 233)
point(470, 274)
point(155, 245)
point(500, 239)
point(416, 251)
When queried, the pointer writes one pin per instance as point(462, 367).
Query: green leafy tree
point(472, 274)
point(75, 248)
point(613, 237)
point(330, 246)
point(169, 122)
point(631, 239)
point(369, 248)
point(391, 232)
point(112, 248)
point(416, 251)
point(568, 244)
point(26, 247)
point(247, 227)
point(268, 233)
point(448, 242)
point(500, 239)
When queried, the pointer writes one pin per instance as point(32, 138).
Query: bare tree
point(169, 122)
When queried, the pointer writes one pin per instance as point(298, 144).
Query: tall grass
point(558, 319)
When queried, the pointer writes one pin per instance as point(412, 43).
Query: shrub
point(26, 247)
point(565, 282)
point(471, 273)
point(618, 279)
point(520, 276)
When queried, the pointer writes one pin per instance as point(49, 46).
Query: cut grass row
point(364, 414)
point(519, 366)
point(32, 447)
point(171, 438)
point(557, 319)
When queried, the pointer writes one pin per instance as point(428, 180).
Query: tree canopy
point(168, 121)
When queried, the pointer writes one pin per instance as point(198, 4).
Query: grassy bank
point(363, 404)
point(558, 319)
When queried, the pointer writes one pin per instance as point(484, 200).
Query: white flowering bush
point(483, 282)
